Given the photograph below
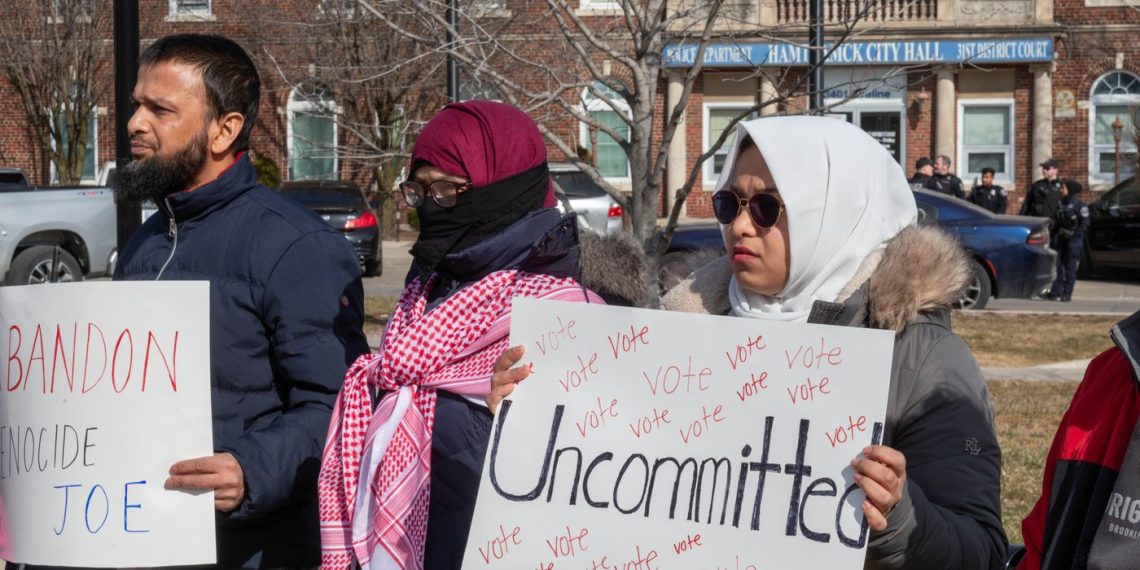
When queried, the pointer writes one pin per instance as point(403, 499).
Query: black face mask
point(480, 213)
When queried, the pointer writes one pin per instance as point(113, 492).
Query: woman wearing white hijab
point(819, 223)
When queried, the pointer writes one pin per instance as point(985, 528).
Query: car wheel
point(371, 267)
point(1085, 265)
point(34, 266)
point(978, 291)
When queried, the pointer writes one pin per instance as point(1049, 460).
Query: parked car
point(51, 234)
point(1113, 238)
point(344, 207)
point(1010, 254)
point(597, 211)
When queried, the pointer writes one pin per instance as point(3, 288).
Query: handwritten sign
point(104, 387)
point(652, 440)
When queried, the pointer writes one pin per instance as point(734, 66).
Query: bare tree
point(57, 57)
point(349, 67)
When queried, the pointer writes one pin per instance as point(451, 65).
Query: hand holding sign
point(505, 378)
point(220, 473)
point(881, 473)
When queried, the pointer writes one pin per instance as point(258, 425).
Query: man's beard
point(153, 179)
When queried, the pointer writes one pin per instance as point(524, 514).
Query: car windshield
point(577, 185)
point(346, 197)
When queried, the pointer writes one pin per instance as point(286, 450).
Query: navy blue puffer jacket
point(286, 311)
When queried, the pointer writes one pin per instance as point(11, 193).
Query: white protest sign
point(104, 387)
point(648, 440)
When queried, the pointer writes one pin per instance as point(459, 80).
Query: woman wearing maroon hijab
point(398, 484)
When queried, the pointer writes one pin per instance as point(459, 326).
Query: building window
point(716, 120)
point(608, 155)
point(190, 7)
point(480, 6)
point(985, 135)
point(599, 5)
point(312, 137)
point(340, 8)
point(1115, 95)
point(91, 156)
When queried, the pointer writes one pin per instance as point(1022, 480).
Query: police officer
point(923, 170)
point(943, 180)
point(1044, 195)
point(1069, 226)
point(988, 195)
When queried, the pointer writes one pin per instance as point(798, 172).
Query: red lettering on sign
point(808, 389)
point(621, 343)
point(553, 339)
point(700, 426)
point(596, 418)
point(753, 387)
point(647, 424)
point(568, 544)
point(498, 547)
point(844, 434)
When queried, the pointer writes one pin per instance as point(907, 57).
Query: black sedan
point(1113, 238)
point(344, 207)
point(1010, 254)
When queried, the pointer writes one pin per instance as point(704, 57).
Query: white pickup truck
point(51, 234)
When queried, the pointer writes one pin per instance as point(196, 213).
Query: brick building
point(1003, 84)
point(999, 83)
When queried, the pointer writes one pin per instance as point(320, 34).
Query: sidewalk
point(1071, 371)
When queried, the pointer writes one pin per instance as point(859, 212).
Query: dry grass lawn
point(1014, 341)
point(1027, 417)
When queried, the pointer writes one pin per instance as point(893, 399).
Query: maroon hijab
point(499, 150)
point(482, 141)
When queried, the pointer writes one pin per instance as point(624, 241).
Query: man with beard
point(285, 296)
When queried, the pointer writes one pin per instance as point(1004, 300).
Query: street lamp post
point(815, 55)
point(452, 65)
point(126, 28)
point(1117, 127)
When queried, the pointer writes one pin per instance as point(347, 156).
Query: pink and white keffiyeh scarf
point(374, 481)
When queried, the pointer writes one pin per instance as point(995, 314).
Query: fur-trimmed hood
point(922, 270)
point(614, 267)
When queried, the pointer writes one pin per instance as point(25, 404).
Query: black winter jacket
point(1042, 198)
point(286, 310)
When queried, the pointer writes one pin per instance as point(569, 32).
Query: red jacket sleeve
point(1093, 436)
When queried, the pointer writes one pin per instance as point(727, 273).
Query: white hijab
point(844, 196)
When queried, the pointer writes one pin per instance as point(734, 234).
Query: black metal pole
point(452, 65)
point(126, 74)
point(815, 55)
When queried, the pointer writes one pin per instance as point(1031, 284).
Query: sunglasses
point(764, 209)
point(444, 192)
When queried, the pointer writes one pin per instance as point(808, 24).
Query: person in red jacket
point(1088, 515)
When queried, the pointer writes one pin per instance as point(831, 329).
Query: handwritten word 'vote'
point(671, 379)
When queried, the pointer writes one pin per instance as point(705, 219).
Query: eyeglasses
point(444, 192)
point(764, 209)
